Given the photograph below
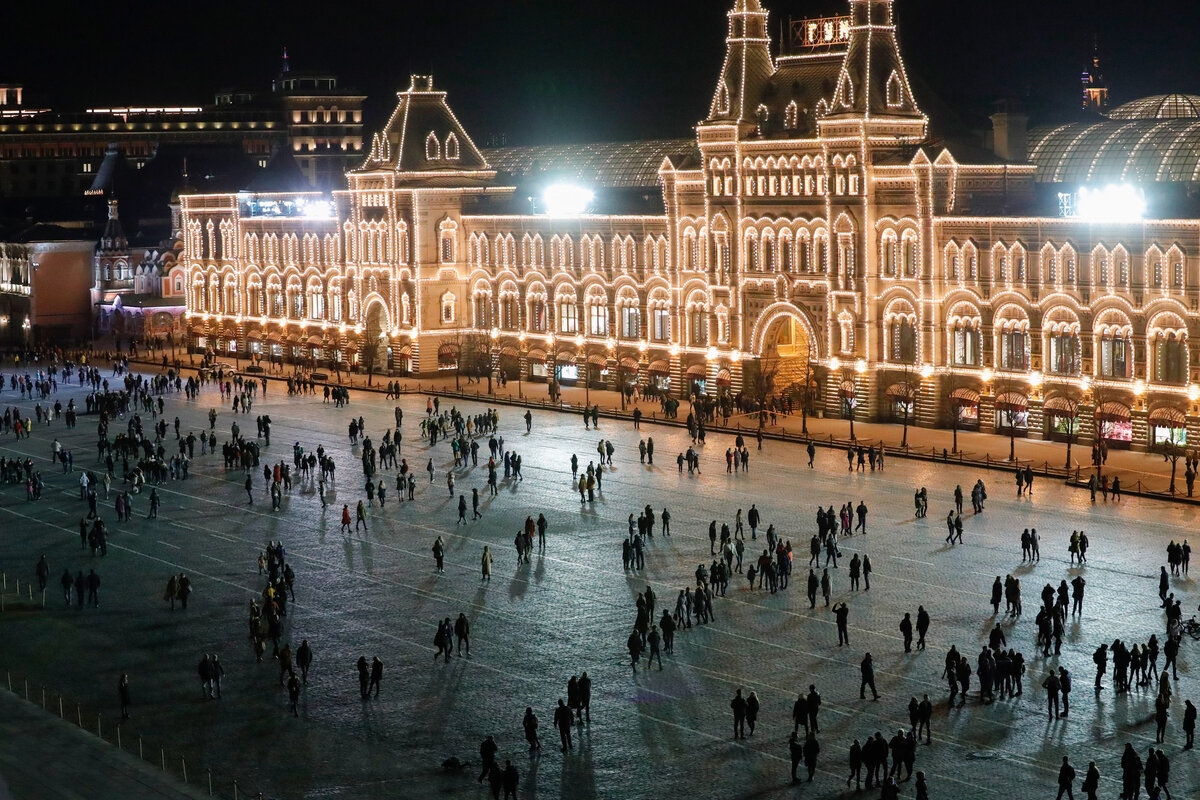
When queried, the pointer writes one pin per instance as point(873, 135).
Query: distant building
point(45, 280)
point(137, 293)
point(46, 153)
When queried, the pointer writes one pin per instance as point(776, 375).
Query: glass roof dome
point(1159, 106)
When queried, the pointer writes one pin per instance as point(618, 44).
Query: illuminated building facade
point(815, 237)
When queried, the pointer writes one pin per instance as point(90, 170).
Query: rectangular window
point(568, 317)
point(662, 324)
point(597, 320)
point(630, 322)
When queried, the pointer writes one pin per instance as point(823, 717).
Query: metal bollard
point(141, 754)
point(119, 737)
point(162, 754)
point(210, 791)
point(26, 688)
point(60, 708)
point(78, 715)
point(235, 791)
point(99, 730)
point(183, 765)
point(43, 697)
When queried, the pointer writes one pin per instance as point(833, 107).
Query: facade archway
point(786, 350)
point(375, 340)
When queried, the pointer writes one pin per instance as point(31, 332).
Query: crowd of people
point(142, 455)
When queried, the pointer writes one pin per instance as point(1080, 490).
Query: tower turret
point(748, 64)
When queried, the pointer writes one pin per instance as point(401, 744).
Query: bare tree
point(759, 383)
point(1173, 448)
point(1072, 402)
point(1011, 413)
point(910, 400)
point(474, 357)
point(950, 391)
point(806, 396)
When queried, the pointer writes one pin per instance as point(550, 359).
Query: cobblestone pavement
point(48, 759)
point(655, 733)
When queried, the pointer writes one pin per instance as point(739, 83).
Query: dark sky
point(535, 70)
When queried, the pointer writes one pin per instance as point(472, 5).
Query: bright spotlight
point(1112, 203)
point(566, 200)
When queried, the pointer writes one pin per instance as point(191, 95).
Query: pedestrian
point(123, 695)
point(1066, 779)
point(867, 672)
point(486, 564)
point(1091, 782)
point(842, 614)
point(376, 675)
point(304, 659)
point(796, 751)
point(811, 749)
point(530, 725)
point(1189, 724)
point(563, 720)
point(738, 704)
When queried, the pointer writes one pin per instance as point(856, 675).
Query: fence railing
point(1143, 484)
point(930, 453)
point(123, 736)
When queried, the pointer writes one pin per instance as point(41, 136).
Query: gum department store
point(819, 229)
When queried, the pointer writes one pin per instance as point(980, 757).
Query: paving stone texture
point(655, 733)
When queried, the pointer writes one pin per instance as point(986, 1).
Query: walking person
point(486, 564)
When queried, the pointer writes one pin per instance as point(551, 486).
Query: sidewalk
point(45, 758)
point(1141, 473)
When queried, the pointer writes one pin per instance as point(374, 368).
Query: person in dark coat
point(563, 720)
point(1189, 723)
point(738, 704)
point(812, 748)
point(1066, 778)
point(1091, 782)
point(867, 670)
point(511, 779)
point(487, 756)
point(123, 695)
point(796, 749)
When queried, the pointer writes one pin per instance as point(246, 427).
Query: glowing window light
point(1113, 203)
point(566, 200)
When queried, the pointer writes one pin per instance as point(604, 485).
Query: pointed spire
point(873, 82)
point(748, 64)
point(113, 238)
point(287, 67)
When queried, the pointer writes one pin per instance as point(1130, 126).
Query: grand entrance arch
point(784, 342)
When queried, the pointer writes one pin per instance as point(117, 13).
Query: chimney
point(1010, 132)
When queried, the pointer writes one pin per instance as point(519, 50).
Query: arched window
point(952, 262)
point(448, 241)
point(902, 341)
point(433, 148)
point(895, 91)
point(449, 309)
point(723, 99)
point(752, 262)
point(452, 147)
point(910, 254)
point(888, 246)
point(790, 116)
point(1171, 359)
point(768, 252)
point(316, 299)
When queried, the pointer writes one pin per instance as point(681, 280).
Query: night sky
point(539, 71)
